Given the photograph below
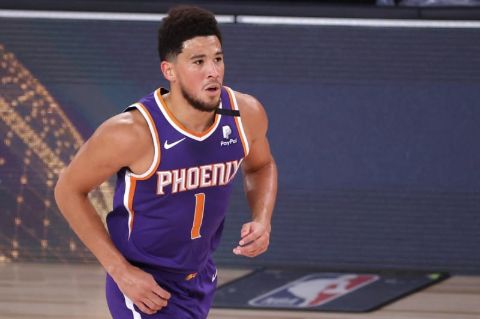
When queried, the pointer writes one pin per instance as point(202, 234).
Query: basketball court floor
point(55, 291)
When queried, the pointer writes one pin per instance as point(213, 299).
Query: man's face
point(199, 71)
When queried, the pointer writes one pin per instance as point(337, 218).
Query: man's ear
point(168, 70)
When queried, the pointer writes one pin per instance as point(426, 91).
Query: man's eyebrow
point(201, 56)
point(198, 56)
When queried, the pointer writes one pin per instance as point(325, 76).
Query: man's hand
point(142, 289)
point(255, 238)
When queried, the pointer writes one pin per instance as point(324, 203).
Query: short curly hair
point(184, 23)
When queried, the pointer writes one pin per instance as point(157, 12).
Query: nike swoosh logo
point(167, 146)
point(214, 276)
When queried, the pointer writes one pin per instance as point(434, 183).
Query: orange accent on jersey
point(133, 184)
point(133, 179)
point(191, 276)
point(198, 217)
point(239, 128)
point(180, 125)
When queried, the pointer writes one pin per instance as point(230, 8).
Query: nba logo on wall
point(313, 290)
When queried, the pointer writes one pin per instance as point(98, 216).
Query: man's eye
point(219, 59)
point(198, 62)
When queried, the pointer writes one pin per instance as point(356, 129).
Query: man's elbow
point(63, 191)
point(59, 190)
point(267, 167)
point(270, 166)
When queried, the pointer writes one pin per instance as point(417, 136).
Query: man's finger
point(248, 253)
point(245, 230)
point(143, 308)
point(150, 304)
point(252, 237)
point(159, 291)
point(255, 252)
point(158, 301)
point(240, 251)
point(254, 248)
point(251, 248)
point(255, 235)
point(245, 251)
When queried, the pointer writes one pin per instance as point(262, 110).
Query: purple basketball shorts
point(190, 298)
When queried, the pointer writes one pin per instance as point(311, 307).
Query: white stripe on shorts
point(129, 304)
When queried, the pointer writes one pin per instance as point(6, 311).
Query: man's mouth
point(213, 88)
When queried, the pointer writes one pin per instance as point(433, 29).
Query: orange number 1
point(198, 217)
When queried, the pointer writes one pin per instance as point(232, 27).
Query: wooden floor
point(41, 291)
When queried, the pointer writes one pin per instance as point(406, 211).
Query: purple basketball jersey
point(170, 218)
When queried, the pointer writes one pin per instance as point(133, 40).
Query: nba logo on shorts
point(313, 290)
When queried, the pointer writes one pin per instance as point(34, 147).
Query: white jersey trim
point(182, 131)
point(242, 131)
point(153, 134)
point(126, 197)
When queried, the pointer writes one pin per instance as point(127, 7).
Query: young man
point(175, 154)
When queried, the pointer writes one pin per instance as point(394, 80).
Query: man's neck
point(191, 118)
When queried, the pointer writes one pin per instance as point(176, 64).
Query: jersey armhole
point(238, 121)
point(156, 142)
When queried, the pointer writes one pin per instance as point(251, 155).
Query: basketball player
point(175, 154)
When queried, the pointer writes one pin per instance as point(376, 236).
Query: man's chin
point(210, 103)
point(205, 107)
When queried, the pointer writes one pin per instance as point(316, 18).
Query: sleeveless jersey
point(170, 218)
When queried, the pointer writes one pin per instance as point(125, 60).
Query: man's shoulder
point(131, 119)
point(125, 129)
point(248, 103)
point(254, 117)
point(150, 97)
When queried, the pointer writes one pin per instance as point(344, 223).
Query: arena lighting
point(246, 19)
point(111, 16)
point(382, 23)
point(35, 128)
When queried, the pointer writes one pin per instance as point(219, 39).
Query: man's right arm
point(121, 141)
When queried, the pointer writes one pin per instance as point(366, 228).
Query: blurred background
point(373, 109)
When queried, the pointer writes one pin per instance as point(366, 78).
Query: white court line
point(395, 23)
point(84, 15)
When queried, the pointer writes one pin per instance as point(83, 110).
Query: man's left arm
point(260, 179)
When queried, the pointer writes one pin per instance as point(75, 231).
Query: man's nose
point(213, 70)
